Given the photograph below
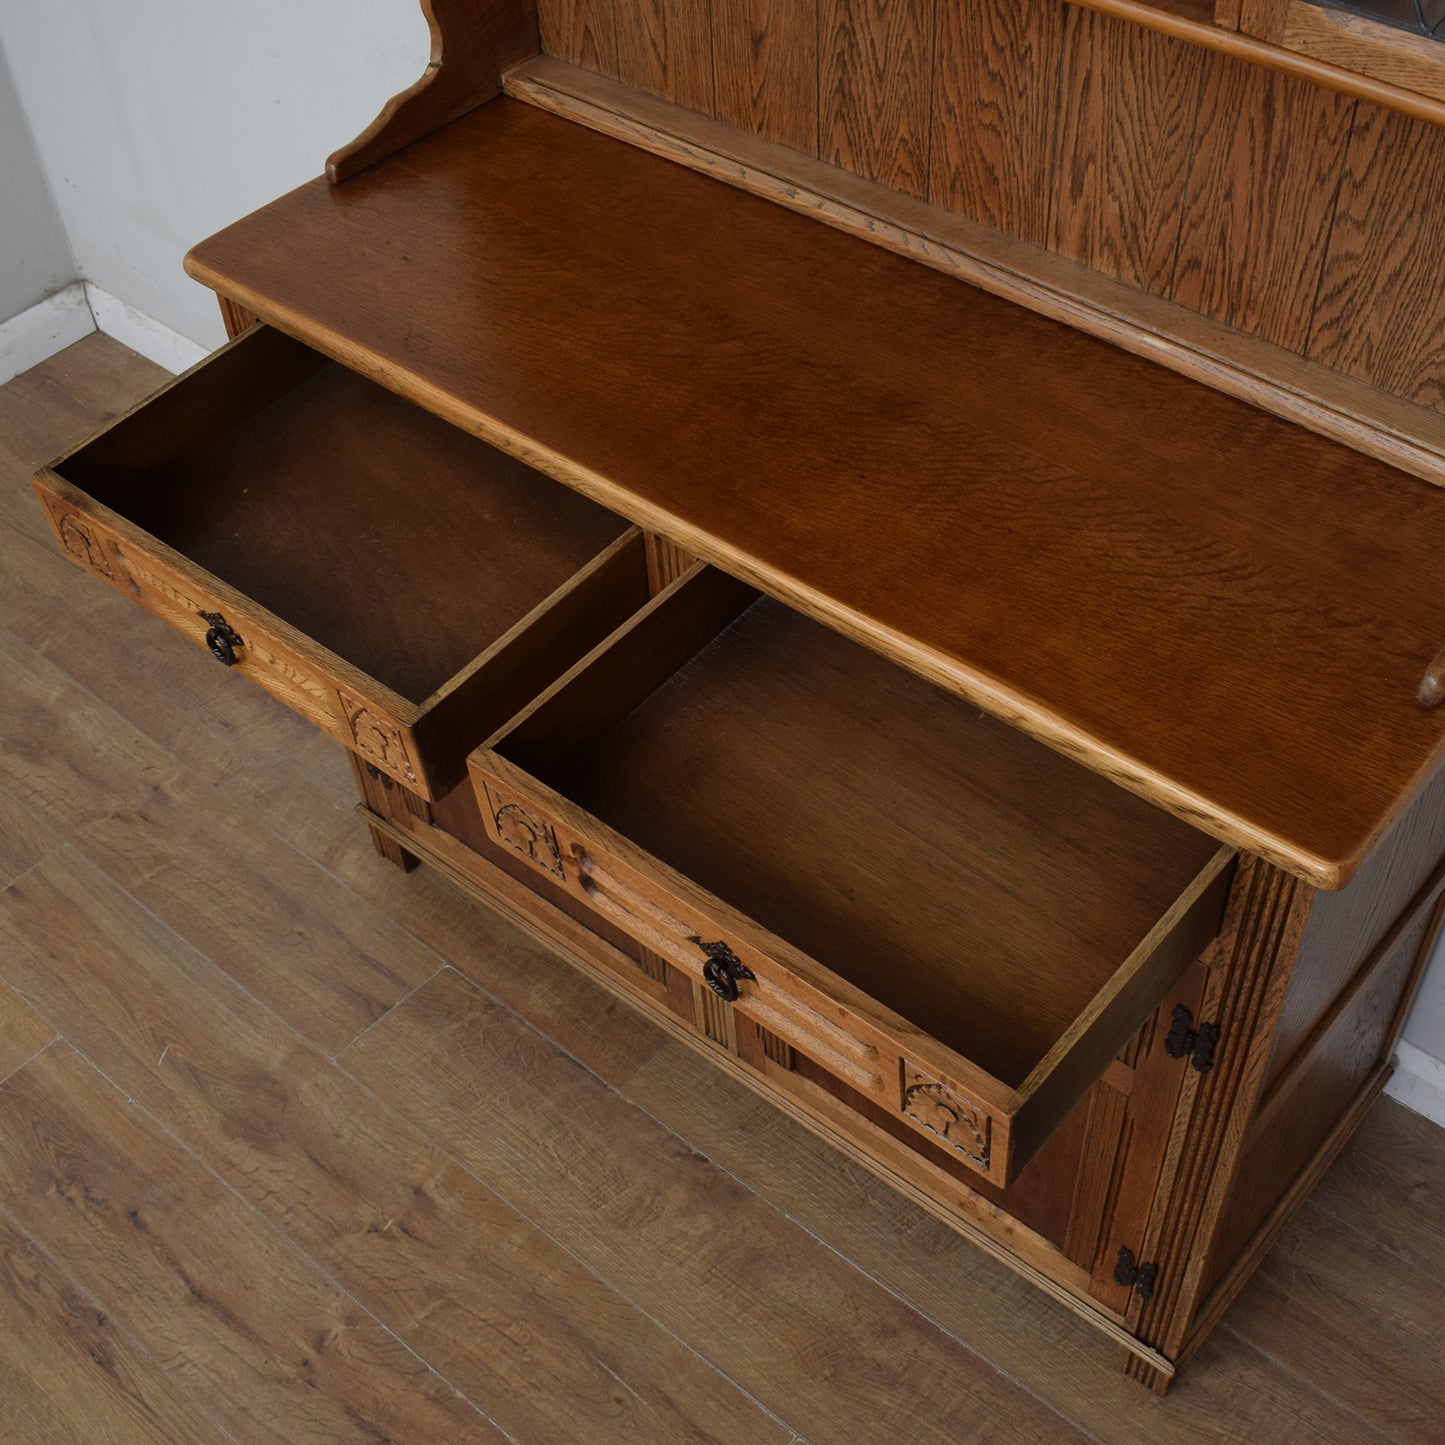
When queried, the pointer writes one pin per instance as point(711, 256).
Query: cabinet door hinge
point(1197, 1044)
point(1142, 1276)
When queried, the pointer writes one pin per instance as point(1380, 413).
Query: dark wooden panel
point(1261, 199)
point(1307, 1102)
point(995, 96)
point(582, 32)
point(875, 64)
point(665, 48)
point(765, 62)
point(1344, 927)
point(1379, 315)
point(1127, 100)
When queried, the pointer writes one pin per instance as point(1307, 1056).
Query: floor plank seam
point(1345, 1222)
point(10, 1074)
point(1226, 1327)
point(494, 1188)
point(25, 1063)
point(333, 1058)
point(23, 875)
point(267, 1222)
point(100, 1308)
point(911, 1305)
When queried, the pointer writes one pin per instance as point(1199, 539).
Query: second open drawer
point(399, 583)
point(941, 914)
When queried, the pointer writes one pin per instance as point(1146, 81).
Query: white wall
point(35, 257)
point(160, 121)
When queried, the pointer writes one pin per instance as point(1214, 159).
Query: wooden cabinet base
point(1121, 1215)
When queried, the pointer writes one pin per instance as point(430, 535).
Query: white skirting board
point(151, 338)
point(63, 319)
point(1418, 1082)
point(42, 330)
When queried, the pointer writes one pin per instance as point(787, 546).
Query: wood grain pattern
point(23, 1032)
point(70, 1374)
point(24, 839)
point(765, 60)
point(1089, 477)
point(995, 98)
point(434, 1254)
point(1126, 118)
point(665, 48)
point(1262, 185)
point(261, 1338)
point(875, 81)
point(1393, 1382)
point(1235, 1387)
point(1098, 165)
point(321, 957)
point(1277, 380)
point(581, 32)
point(1379, 315)
point(981, 1302)
point(687, 1246)
point(470, 47)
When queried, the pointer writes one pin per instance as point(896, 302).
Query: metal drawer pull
point(723, 969)
point(221, 638)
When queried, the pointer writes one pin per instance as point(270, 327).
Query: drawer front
point(217, 618)
point(752, 993)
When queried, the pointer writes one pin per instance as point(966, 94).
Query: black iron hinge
point(1142, 1276)
point(1186, 1041)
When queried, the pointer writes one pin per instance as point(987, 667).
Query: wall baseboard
point(43, 329)
point(152, 339)
point(1418, 1082)
point(65, 318)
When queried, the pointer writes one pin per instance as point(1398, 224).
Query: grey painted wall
point(35, 257)
point(160, 121)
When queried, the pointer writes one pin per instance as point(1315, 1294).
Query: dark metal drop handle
point(723, 969)
point(221, 638)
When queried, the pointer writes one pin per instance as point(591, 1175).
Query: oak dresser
point(872, 531)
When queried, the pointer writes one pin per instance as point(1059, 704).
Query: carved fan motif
point(379, 739)
point(961, 1125)
point(81, 543)
point(526, 834)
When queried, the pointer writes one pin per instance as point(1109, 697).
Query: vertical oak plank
point(875, 66)
point(1261, 199)
point(765, 59)
point(1126, 123)
point(995, 100)
point(581, 32)
point(665, 48)
point(1380, 315)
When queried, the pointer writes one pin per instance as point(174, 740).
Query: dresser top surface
point(1216, 608)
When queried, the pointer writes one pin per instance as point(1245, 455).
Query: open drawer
point(399, 583)
point(934, 910)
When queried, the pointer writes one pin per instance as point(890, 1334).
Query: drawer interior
point(974, 881)
point(395, 540)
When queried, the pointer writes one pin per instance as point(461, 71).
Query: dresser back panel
point(1287, 211)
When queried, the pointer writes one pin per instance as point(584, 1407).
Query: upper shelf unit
point(1217, 609)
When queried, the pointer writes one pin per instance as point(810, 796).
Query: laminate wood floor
point(294, 1147)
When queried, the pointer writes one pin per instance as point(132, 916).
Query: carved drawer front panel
point(718, 784)
point(270, 506)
